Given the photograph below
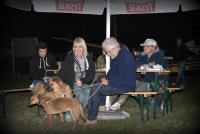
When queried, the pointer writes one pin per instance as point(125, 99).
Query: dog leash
point(92, 94)
point(86, 86)
point(52, 99)
point(79, 89)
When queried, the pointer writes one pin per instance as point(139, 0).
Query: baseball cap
point(149, 42)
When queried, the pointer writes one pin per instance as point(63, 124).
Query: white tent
point(113, 7)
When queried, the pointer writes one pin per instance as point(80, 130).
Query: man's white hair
point(110, 42)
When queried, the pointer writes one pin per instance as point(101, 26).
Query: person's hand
point(151, 64)
point(104, 81)
point(79, 83)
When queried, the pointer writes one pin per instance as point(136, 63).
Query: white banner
point(70, 6)
point(97, 6)
point(143, 6)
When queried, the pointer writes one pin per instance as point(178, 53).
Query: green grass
point(184, 119)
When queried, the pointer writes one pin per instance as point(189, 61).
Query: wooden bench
point(174, 89)
point(169, 102)
point(145, 93)
point(3, 94)
point(142, 98)
point(15, 90)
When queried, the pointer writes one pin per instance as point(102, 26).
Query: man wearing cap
point(150, 56)
point(39, 63)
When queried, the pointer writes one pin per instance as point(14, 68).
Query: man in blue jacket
point(150, 56)
point(121, 77)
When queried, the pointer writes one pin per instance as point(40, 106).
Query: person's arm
point(126, 71)
point(35, 72)
point(160, 59)
point(65, 69)
point(141, 60)
point(53, 63)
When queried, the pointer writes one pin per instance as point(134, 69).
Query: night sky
point(129, 29)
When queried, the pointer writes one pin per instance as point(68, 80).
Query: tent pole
point(107, 36)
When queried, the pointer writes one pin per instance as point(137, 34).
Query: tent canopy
point(97, 7)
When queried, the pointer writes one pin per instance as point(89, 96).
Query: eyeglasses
point(108, 51)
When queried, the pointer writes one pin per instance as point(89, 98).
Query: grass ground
point(23, 119)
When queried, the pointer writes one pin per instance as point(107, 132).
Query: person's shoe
point(90, 122)
point(115, 106)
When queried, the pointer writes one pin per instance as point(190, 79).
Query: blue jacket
point(157, 57)
point(122, 73)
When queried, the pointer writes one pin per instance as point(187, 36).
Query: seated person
point(151, 55)
point(100, 63)
point(78, 70)
point(101, 60)
point(120, 78)
point(39, 63)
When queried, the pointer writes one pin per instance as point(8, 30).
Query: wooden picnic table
point(53, 70)
point(156, 85)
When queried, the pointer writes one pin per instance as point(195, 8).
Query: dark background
point(129, 29)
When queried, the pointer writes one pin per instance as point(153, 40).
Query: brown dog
point(60, 88)
point(46, 96)
point(39, 89)
point(61, 105)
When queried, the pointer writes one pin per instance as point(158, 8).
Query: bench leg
point(165, 103)
point(154, 106)
point(141, 104)
point(170, 101)
point(4, 107)
point(3, 101)
point(147, 108)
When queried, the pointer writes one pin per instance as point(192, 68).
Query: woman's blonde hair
point(80, 42)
